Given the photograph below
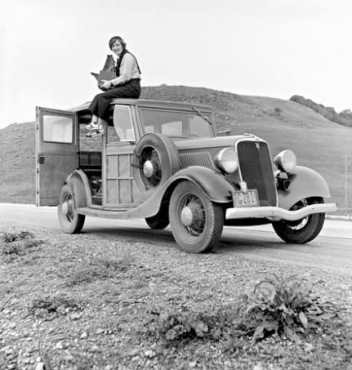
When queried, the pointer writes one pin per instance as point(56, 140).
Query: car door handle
point(41, 159)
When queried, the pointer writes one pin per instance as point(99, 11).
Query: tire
point(304, 230)
point(71, 222)
point(155, 159)
point(196, 221)
point(159, 221)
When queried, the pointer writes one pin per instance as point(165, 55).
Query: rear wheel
point(196, 221)
point(303, 230)
point(71, 222)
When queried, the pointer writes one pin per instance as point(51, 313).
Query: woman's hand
point(106, 85)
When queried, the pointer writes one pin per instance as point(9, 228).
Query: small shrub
point(8, 237)
point(277, 111)
point(15, 244)
point(283, 306)
point(182, 325)
point(13, 249)
point(51, 307)
point(185, 325)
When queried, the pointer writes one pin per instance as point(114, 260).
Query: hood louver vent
point(196, 159)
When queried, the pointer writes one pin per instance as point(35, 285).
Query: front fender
point(212, 183)
point(304, 183)
point(78, 182)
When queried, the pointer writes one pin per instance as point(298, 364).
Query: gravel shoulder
point(87, 302)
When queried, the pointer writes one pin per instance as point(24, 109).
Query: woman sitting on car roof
point(125, 85)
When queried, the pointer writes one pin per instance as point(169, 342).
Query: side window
point(172, 129)
point(169, 123)
point(57, 129)
point(123, 123)
point(197, 126)
point(177, 123)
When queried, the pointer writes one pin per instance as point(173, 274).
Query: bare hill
point(319, 143)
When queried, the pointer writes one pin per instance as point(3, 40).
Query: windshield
point(176, 124)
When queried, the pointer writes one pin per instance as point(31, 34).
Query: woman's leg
point(101, 102)
point(100, 105)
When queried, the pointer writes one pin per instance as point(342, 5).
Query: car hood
point(214, 142)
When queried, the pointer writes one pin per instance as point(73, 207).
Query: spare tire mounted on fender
point(155, 159)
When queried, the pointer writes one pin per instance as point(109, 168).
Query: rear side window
point(58, 129)
point(123, 123)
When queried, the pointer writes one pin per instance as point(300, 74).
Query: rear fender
point(79, 184)
point(304, 183)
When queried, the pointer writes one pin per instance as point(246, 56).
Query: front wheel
point(303, 230)
point(196, 221)
point(71, 222)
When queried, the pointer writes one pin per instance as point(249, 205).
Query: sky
point(274, 48)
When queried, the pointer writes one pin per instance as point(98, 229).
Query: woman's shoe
point(101, 129)
point(93, 126)
point(94, 133)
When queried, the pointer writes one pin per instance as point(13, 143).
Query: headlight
point(286, 161)
point(227, 160)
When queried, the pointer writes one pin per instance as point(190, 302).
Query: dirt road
point(331, 250)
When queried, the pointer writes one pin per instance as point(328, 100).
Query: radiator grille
point(256, 170)
point(196, 159)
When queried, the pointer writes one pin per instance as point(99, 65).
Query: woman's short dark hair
point(117, 38)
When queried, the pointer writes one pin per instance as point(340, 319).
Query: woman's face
point(117, 47)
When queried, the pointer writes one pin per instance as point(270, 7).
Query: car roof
point(148, 103)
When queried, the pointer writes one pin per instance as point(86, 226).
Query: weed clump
point(14, 244)
point(284, 307)
point(49, 307)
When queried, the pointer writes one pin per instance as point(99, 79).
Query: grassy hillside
point(17, 163)
point(318, 142)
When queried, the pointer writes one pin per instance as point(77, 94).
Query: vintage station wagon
point(163, 161)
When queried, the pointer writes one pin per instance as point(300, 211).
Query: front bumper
point(277, 213)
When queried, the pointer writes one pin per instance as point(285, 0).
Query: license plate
point(245, 199)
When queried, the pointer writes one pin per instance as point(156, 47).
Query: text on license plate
point(245, 199)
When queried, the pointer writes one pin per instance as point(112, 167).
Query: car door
point(56, 152)
point(120, 187)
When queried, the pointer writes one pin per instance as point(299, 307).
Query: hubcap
point(186, 216)
point(148, 169)
point(192, 215)
point(67, 208)
point(64, 208)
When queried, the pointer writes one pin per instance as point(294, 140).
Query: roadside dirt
point(88, 302)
